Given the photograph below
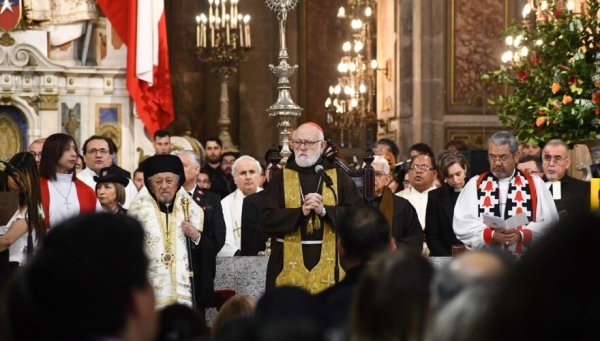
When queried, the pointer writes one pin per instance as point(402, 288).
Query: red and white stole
point(521, 197)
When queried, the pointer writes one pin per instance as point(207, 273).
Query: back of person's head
point(289, 303)
point(552, 294)
point(479, 268)
point(179, 322)
point(363, 233)
point(236, 306)
point(81, 281)
point(392, 298)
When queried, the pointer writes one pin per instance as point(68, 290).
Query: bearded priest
point(173, 225)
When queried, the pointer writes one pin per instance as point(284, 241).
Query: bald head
point(478, 265)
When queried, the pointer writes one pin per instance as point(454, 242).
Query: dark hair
point(214, 139)
point(449, 157)
point(363, 232)
point(138, 170)
point(95, 262)
point(422, 148)
point(235, 155)
point(180, 322)
point(53, 149)
point(80, 157)
point(112, 147)
point(391, 301)
point(391, 144)
point(161, 133)
point(412, 159)
point(25, 172)
point(536, 159)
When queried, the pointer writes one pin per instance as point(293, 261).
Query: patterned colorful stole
point(521, 198)
point(294, 271)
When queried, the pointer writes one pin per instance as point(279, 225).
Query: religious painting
point(10, 14)
point(71, 120)
point(475, 48)
point(13, 126)
point(108, 123)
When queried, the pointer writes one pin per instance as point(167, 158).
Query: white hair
point(196, 158)
point(242, 158)
point(382, 161)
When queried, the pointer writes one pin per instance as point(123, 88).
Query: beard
point(307, 160)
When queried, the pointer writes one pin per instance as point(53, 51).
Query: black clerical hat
point(163, 163)
point(111, 174)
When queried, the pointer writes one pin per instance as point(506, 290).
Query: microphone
point(321, 171)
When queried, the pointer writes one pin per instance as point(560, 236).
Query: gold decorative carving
point(5, 99)
point(112, 131)
point(32, 101)
point(48, 102)
point(7, 40)
point(11, 139)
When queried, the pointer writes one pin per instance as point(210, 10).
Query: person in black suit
point(571, 196)
point(440, 205)
point(213, 236)
point(363, 234)
point(400, 215)
point(253, 240)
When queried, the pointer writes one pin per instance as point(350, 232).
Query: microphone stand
point(185, 205)
point(336, 266)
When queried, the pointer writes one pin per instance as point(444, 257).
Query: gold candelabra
point(349, 108)
point(223, 40)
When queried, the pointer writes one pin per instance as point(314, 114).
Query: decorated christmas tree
point(552, 72)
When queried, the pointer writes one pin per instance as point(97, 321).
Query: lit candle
point(223, 12)
point(203, 21)
point(240, 19)
point(210, 10)
point(198, 38)
point(212, 31)
point(227, 29)
point(234, 13)
point(247, 30)
point(217, 2)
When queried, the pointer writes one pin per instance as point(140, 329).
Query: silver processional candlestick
point(284, 109)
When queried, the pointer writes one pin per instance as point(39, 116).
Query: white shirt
point(64, 202)
point(87, 176)
point(418, 200)
point(18, 250)
point(469, 227)
point(232, 215)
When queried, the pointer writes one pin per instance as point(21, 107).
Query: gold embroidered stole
point(294, 271)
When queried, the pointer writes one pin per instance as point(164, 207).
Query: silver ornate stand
point(284, 109)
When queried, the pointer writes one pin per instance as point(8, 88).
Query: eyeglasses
point(556, 159)
point(423, 168)
point(380, 174)
point(502, 158)
point(36, 156)
point(97, 151)
point(308, 144)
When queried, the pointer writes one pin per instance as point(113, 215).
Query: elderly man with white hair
point(398, 212)
point(246, 175)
